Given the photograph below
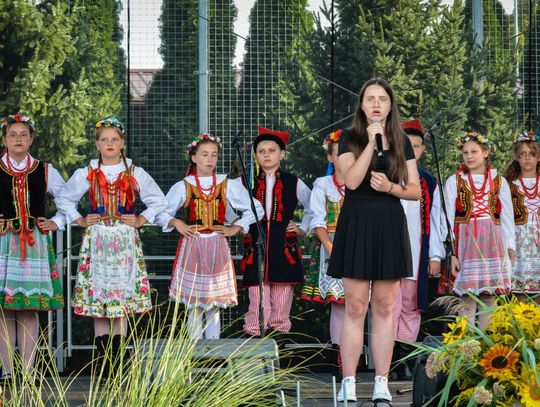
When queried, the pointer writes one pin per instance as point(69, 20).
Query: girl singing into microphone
point(371, 247)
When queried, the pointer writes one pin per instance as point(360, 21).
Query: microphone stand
point(452, 250)
point(261, 239)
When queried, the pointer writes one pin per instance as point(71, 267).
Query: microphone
point(378, 139)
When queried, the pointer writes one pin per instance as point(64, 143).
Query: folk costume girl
point(203, 272)
point(279, 193)
point(523, 176)
point(325, 204)
point(480, 208)
point(29, 278)
point(112, 282)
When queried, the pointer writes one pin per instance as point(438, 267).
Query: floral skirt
point(526, 276)
point(203, 273)
point(33, 284)
point(319, 286)
point(111, 276)
point(484, 265)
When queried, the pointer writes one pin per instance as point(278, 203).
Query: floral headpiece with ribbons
point(111, 122)
point(472, 136)
point(17, 118)
point(526, 136)
point(331, 138)
point(203, 137)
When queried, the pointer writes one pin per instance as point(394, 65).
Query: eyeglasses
point(370, 100)
point(15, 136)
point(106, 141)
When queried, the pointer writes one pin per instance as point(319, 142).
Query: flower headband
point(473, 137)
point(331, 138)
point(203, 137)
point(526, 136)
point(18, 118)
point(111, 122)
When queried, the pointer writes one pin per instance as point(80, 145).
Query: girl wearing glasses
point(111, 278)
point(371, 250)
point(29, 279)
point(523, 175)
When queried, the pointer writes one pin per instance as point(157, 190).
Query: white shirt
point(507, 211)
point(437, 230)
point(303, 194)
point(323, 188)
point(55, 183)
point(149, 191)
point(237, 197)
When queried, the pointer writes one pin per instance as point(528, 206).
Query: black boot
point(404, 372)
point(101, 356)
point(120, 353)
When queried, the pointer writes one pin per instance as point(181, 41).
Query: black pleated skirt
point(371, 241)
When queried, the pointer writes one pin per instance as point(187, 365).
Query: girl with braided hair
point(112, 281)
point(29, 278)
point(203, 277)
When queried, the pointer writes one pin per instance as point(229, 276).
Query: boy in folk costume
point(426, 230)
point(279, 193)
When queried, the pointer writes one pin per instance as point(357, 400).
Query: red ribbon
point(96, 177)
point(279, 199)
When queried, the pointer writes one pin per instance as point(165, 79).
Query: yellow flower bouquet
point(498, 367)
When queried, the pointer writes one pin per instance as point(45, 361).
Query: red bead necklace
point(18, 171)
point(207, 194)
point(477, 193)
point(340, 188)
point(530, 193)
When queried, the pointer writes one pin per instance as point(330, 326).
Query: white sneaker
point(348, 389)
point(380, 390)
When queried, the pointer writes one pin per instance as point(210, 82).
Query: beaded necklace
point(340, 188)
point(25, 234)
point(207, 194)
point(530, 193)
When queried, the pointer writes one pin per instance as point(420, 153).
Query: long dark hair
point(358, 136)
point(514, 169)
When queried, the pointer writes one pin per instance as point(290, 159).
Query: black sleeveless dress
point(371, 241)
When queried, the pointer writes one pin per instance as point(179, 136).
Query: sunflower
point(530, 393)
point(499, 362)
point(457, 331)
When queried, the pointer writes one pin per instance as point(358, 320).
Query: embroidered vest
point(22, 204)
point(521, 213)
point(333, 210)
point(206, 211)
point(283, 260)
point(112, 199)
point(464, 201)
